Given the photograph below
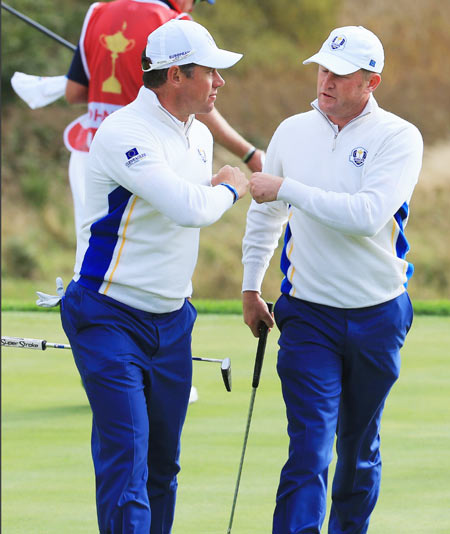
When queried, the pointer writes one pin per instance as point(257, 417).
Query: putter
point(255, 383)
point(42, 344)
point(225, 369)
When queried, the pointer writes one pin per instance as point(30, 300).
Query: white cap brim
point(218, 59)
point(335, 64)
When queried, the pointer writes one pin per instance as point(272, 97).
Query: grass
point(20, 295)
point(47, 476)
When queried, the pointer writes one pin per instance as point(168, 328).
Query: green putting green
point(47, 474)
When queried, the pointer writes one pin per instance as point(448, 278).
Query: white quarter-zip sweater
point(148, 191)
point(345, 198)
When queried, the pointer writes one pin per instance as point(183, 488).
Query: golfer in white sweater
point(341, 176)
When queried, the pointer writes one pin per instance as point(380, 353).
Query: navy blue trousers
point(136, 368)
point(336, 368)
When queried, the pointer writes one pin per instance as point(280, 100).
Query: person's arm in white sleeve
point(264, 226)
point(389, 181)
point(151, 178)
point(185, 203)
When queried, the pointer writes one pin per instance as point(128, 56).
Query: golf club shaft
point(39, 27)
point(262, 341)
point(241, 463)
point(206, 359)
point(42, 344)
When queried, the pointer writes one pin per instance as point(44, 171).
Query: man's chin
point(326, 104)
point(205, 110)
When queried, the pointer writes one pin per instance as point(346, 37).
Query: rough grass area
point(47, 479)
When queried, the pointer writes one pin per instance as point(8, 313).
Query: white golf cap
point(349, 49)
point(179, 42)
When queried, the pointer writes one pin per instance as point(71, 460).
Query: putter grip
point(260, 350)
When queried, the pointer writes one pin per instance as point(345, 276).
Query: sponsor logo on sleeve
point(133, 156)
point(358, 156)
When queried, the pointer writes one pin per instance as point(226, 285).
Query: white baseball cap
point(179, 42)
point(349, 49)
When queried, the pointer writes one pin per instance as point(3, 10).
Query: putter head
point(226, 372)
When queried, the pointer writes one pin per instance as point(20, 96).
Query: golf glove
point(50, 301)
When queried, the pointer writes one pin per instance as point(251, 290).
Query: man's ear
point(174, 75)
point(374, 82)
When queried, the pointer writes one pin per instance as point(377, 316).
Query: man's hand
point(255, 163)
point(255, 312)
point(233, 176)
point(264, 187)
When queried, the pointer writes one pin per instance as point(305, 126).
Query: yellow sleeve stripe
point(121, 245)
point(394, 231)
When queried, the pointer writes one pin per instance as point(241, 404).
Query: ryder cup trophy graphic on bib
point(116, 44)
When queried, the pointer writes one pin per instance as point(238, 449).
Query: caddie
point(126, 312)
point(341, 176)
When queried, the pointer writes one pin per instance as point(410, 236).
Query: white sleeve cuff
point(253, 276)
point(290, 189)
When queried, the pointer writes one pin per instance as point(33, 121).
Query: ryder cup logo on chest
point(338, 42)
point(358, 156)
